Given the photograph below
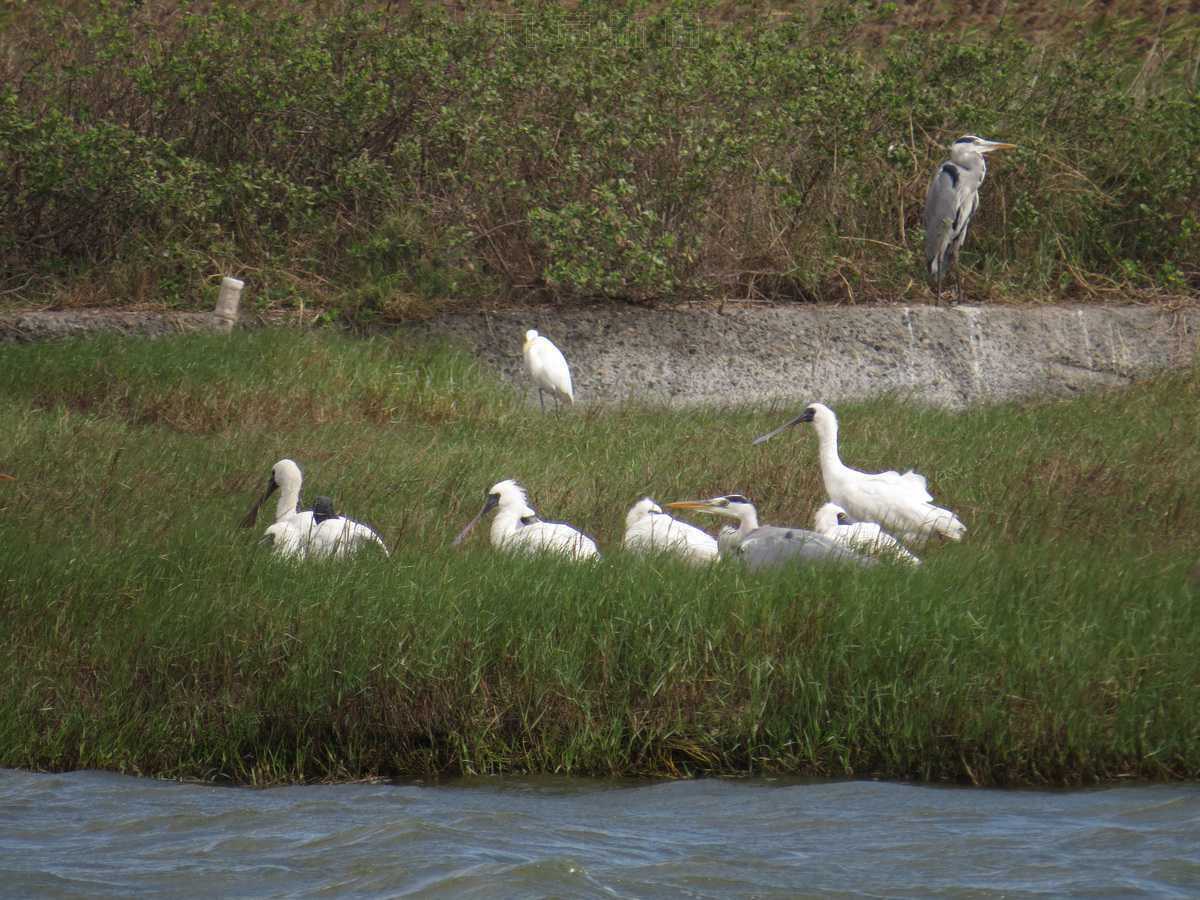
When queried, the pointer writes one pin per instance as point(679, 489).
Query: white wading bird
point(763, 546)
point(866, 537)
point(650, 530)
point(900, 503)
point(316, 532)
point(548, 369)
point(951, 201)
point(517, 527)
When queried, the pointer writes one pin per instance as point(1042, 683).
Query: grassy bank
point(380, 160)
point(145, 633)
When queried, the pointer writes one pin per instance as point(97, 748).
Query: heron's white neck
point(747, 520)
point(289, 497)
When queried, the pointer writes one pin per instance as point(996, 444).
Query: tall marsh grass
point(144, 632)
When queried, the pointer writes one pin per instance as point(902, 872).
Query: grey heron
point(548, 368)
point(650, 530)
point(951, 201)
point(900, 503)
point(316, 532)
point(517, 527)
point(766, 546)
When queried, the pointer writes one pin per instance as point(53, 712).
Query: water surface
point(91, 834)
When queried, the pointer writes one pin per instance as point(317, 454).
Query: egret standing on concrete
point(900, 503)
point(548, 368)
point(951, 201)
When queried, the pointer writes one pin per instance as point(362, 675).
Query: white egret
point(764, 546)
point(900, 503)
point(517, 527)
point(867, 537)
point(951, 201)
point(548, 368)
point(317, 532)
point(650, 530)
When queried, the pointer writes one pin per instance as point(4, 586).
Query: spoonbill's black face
point(808, 415)
point(491, 502)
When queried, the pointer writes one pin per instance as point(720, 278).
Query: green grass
point(143, 632)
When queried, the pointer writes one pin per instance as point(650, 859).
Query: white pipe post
point(226, 314)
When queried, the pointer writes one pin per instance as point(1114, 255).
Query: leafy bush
point(362, 156)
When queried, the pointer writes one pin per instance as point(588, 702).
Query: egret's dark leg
point(541, 399)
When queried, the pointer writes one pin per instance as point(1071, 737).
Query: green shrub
point(365, 152)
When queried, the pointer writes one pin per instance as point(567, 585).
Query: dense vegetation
point(144, 632)
point(382, 159)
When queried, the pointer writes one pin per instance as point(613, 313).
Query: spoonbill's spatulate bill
point(900, 503)
point(950, 203)
point(517, 527)
point(649, 530)
point(866, 537)
point(548, 369)
point(301, 534)
point(766, 546)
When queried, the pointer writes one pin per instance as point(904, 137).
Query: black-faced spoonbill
point(517, 527)
point(318, 532)
point(950, 203)
point(650, 530)
point(866, 537)
point(900, 503)
point(548, 368)
point(765, 546)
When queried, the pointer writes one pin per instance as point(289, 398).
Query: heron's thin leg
point(541, 399)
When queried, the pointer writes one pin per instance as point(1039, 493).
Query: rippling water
point(89, 834)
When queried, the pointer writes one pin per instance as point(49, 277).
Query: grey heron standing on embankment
point(951, 201)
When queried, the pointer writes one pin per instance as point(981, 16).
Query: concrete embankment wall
point(949, 356)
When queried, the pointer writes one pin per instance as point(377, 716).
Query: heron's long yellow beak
point(1003, 147)
point(690, 504)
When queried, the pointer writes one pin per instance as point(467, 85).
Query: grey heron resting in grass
point(548, 368)
point(951, 201)
point(517, 527)
point(318, 532)
point(767, 546)
point(900, 503)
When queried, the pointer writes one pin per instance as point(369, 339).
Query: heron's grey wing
point(772, 545)
point(942, 213)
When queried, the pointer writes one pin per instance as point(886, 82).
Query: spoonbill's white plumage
point(650, 530)
point(867, 537)
point(316, 532)
point(900, 503)
point(517, 528)
point(548, 368)
point(765, 546)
